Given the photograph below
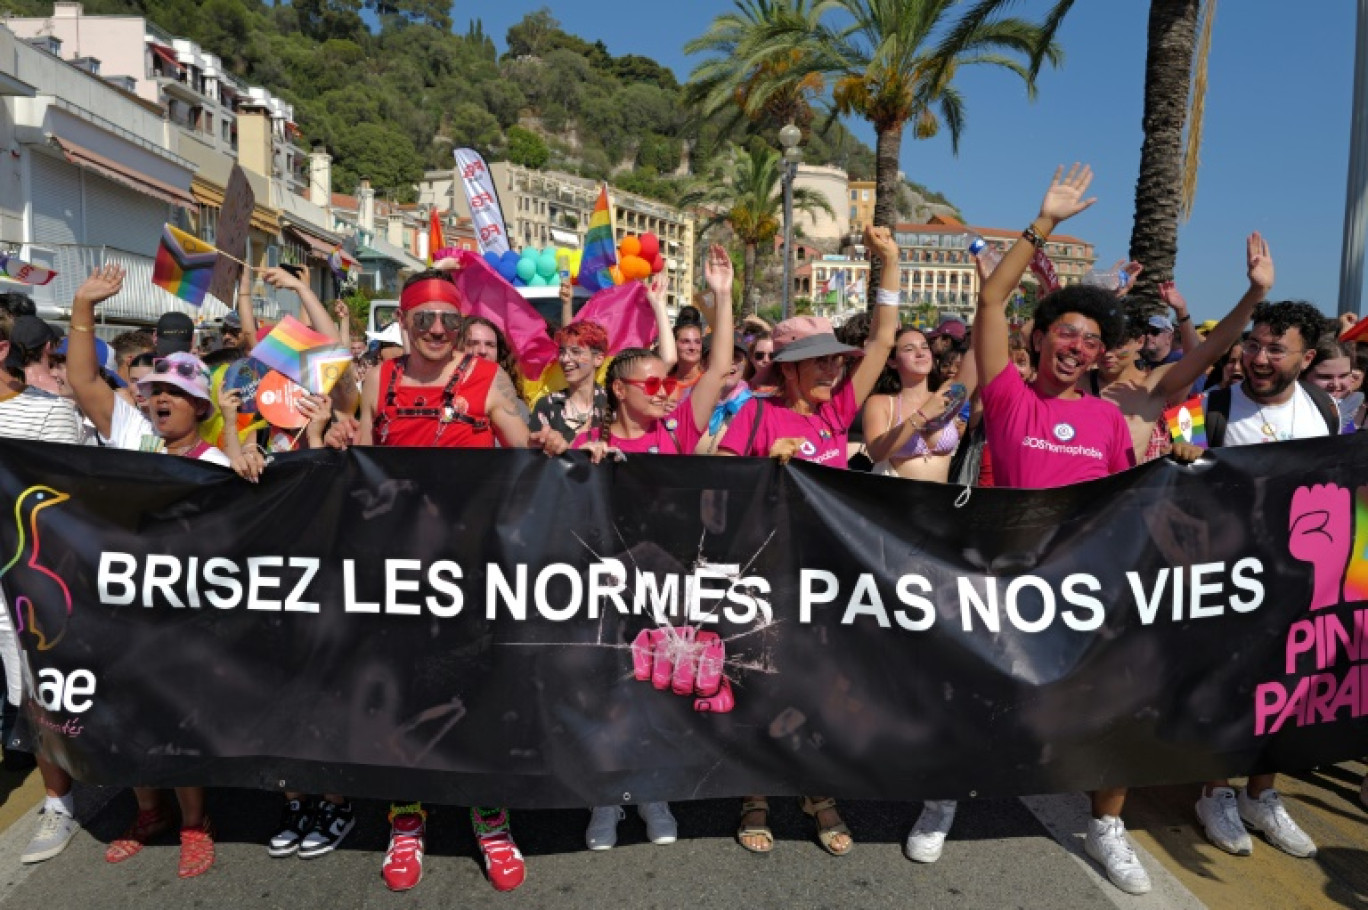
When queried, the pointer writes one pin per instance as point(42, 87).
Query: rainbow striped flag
point(184, 266)
point(600, 252)
point(304, 356)
point(1187, 422)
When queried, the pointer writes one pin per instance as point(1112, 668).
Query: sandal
point(146, 826)
point(827, 836)
point(761, 831)
point(197, 850)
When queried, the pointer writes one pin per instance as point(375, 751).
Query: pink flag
point(625, 312)
point(489, 295)
point(1044, 271)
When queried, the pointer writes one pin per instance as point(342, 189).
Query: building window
point(864, 195)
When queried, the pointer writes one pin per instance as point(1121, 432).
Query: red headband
point(430, 290)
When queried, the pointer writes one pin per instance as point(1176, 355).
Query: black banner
point(498, 628)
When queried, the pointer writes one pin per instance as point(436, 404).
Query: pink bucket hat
point(184, 371)
point(802, 338)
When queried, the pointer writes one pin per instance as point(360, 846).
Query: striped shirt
point(35, 414)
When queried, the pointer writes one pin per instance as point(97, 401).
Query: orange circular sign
point(278, 401)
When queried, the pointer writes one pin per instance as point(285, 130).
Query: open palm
point(1066, 195)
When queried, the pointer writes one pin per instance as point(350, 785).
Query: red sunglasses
point(653, 385)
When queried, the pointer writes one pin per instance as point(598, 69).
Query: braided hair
point(622, 364)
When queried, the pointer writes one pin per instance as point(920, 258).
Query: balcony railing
point(140, 302)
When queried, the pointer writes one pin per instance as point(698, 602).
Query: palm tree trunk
point(1158, 192)
point(748, 302)
point(886, 166)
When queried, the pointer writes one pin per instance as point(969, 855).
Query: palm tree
point(749, 201)
point(893, 63)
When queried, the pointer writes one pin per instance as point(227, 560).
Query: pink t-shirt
point(1051, 442)
point(660, 439)
point(824, 432)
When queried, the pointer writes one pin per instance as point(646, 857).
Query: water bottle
point(984, 252)
point(1108, 279)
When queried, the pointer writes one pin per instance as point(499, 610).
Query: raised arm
point(246, 312)
point(1181, 375)
point(884, 330)
point(717, 271)
point(1188, 338)
point(319, 318)
point(567, 301)
point(93, 395)
point(1064, 199)
point(665, 340)
point(342, 313)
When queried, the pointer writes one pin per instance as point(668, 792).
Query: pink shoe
point(403, 866)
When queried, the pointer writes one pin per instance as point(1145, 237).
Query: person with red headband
point(435, 396)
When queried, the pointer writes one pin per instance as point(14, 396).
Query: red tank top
point(453, 416)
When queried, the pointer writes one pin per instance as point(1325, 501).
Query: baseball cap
point(1161, 323)
point(232, 321)
point(28, 333)
point(172, 370)
point(175, 334)
point(1206, 326)
point(104, 356)
point(948, 326)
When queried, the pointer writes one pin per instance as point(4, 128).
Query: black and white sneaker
point(296, 819)
point(331, 825)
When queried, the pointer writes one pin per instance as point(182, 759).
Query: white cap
point(390, 334)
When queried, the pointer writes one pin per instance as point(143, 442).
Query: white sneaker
point(927, 840)
point(661, 827)
point(1107, 843)
point(1267, 814)
point(1220, 816)
point(55, 831)
point(602, 831)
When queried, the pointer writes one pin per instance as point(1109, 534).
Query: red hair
point(587, 333)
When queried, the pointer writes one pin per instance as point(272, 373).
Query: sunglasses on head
point(424, 320)
point(181, 368)
point(653, 385)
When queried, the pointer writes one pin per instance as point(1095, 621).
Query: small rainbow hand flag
point(1187, 422)
point(184, 266)
point(600, 249)
point(23, 272)
point(309, 358)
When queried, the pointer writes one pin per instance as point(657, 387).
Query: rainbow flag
point(600, 252)
point(23, 272)
point(1187, 422)
point(302, 355)
point(184, 266)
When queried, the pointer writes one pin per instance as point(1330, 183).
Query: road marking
point(1065, 816)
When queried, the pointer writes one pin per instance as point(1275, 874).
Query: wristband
point(81, 328)
point(886, 298)
point(1186, 317)
point(1033, 235)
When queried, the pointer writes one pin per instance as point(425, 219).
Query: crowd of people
point(1075, 394)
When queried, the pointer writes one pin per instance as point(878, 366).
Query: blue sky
point(1274, 156)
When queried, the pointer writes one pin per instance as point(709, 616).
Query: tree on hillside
point(749, 201)
point(533, 34)
point(527, 148)
point(891, 62)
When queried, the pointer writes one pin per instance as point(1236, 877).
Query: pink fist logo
point(687, 662)
point(1319, 533)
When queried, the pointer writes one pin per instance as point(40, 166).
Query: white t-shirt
point(1296, 418)
point(130, 429)
point(35, 414)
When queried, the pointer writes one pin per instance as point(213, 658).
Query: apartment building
point(861, 206)
point(938, 270)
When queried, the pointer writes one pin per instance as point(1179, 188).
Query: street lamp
point(789, 137)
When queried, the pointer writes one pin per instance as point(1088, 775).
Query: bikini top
point(946, 442)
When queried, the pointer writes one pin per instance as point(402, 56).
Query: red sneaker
point(503, 861)
point(404, 859)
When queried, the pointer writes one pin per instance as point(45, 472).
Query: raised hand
point(230, 402)
point(278, 277)
point(880, 241)
point(1260, 262)
point(718, 272)
point(1168, 292)
point(687, 662)
point(1065, 197)
point(103, 283)
point(1132, 270)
